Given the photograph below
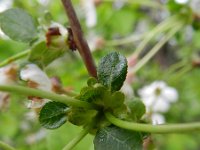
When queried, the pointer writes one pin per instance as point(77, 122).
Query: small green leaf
point(114, 138)
point(117, 105)
point(112, 71)
point(18, 25)
point(137, 108)
point(42, 55)
point(91, 81)
point(94, 94)
point(53, 115)
point(81, 116)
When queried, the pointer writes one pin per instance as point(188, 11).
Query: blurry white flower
point(43, 2)
point(95, 42)
point(63, 30)
point(195, 5)
point(157, 118)
point(35, 137)
point(127, 90)
point(5, 4)
point(36, 77)
point(158, 97)
point(36, 102)
point(182, 1)
point(7, 76)
point(90, 12)
point(119, 3)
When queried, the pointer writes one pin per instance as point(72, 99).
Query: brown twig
point(81, 43)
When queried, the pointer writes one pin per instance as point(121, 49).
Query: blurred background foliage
point(115, 20)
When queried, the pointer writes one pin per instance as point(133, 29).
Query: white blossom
point(35, 137)
point(38, 79)
point(157, 98)
point(5, 4)
point(33, 73)
point(7, 76)
point(90, 12)
point(63, 30)
point(127, 90)
point(195, 5)
point(157, 118)
point(182, 1)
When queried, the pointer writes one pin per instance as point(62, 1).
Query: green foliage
point(136, 108)
point(43, 55)
point(18, 25)
point(81, 116)
point(53, 115)
point(112, 71)
point(114, 22)
point(114, 138)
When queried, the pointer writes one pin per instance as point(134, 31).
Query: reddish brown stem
point(81, 43)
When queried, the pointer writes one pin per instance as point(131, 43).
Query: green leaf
point(137, 108)
point(112, 71)
point(91, 81)
point(18, 25)
point(53, 115)
point(114, 138)
point(42, 55)
point(116, 103)
point(81, 116)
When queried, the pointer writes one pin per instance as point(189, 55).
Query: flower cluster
point(157, 98)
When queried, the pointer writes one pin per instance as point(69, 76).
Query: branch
point(49, 95)
point(6, 146)
point(77, 139)
point(81, 43)
point(168, 128)
point(156, 48)
point(14, 58)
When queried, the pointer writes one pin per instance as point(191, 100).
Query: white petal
point(158, 84)
point(157, 119)
point(37, 103)
point(127, 90)
point(170, 94)
point(146, 91)
point(5, 78)
point(90, 13)
point(62, 29)
point(33, 73)
point(148, 101)
point(161, 105)
point(181, 1)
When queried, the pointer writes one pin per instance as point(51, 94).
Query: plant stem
point(125, 40)
point(158, 29)
point(156, 48)
point(77, 139)
point(81, 43)
point(146, 3)
point(5, 146)
point(160, 129)
point(14, 58)
point(49, 95)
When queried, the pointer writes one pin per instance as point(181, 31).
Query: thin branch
point(81, 43)
point(155, 49)
point(14, 58)
point(6, 146)
point(160, 129)
point(77, 139)
point(49, 95)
